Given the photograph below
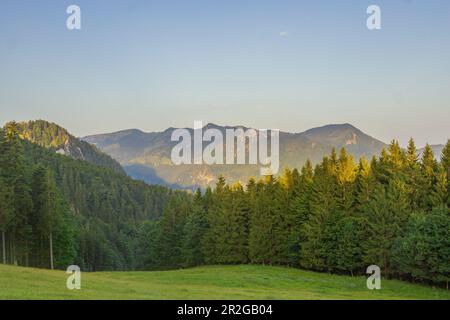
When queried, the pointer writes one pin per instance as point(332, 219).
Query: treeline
point(338, 217)
point(56, 211)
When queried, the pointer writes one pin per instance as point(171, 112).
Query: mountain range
point(146, 156)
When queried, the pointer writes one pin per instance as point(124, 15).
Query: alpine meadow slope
point(212, 282)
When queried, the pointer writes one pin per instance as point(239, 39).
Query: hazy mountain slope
point(137, 150)
point(338, 135)
point(56, 138)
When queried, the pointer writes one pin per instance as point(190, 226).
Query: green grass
point(214, 282)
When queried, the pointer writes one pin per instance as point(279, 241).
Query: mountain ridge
point(56, 138)
point(137, 150)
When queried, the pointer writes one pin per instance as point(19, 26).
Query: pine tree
point(238, 225)
point(47, 206)
point(413, 174)
point(147, 246)
point(445, 163)
point(299, 206)
point(440, 196)
point(412, 159)
point(323, 207)
point(170, 242)
point(346, 175)
point(262, 238)
point(428, 169)
point(214, 236)
point(6, 211)
point(15, 177)
point(349, 251)
point(384, 215)
point(397, 156)
point(194, 232)
point(422, 252)
point(364, 183)
point(228, 221)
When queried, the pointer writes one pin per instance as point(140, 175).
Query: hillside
point(215, 282)
point(99, 211)
point(53, 137)
point(146, 156)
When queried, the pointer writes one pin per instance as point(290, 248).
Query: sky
point(288, 65)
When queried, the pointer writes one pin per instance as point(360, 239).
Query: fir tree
point(345, 174)
point(47, 206)
point(194, 232)
point(385, 214)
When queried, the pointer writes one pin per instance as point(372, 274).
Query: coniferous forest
point(339, 216)
point(61, 211)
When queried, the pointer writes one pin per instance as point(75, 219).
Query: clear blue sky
point(280, 64)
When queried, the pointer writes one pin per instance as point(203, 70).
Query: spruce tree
point(170, 242)
point(412, 158)
point(422, 252)
point(15, 176)
point(47, 206)
point(299, 205)
point(397, 156)
point(445, 163)
point(428, 169)
point(262, 238)
point(349, 251)
point(345, 175)
point(364, 183)
point(194, 232)
point(384, 216)
point(6, 211)
point(323, 207)
point(413, 174)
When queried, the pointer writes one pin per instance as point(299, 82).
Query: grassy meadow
point(212, 282)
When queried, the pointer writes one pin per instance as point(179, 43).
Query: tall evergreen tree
point(6, 211)
point(14, 175)
point(47, 206)
point(413, 174)
point(323, 207)
point(364, 183)
point(445, 163)
point(346, 175)
point(422, 252)
point(385, 214)
point(428, 169)
point(194, 232)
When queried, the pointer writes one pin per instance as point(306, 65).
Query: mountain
point(339, 135)
point(57, 139)
point(146, 156)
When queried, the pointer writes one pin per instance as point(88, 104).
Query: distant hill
point(146, 156)
point(56, 138)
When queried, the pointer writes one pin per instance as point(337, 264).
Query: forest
point(339, 216)
point(56, 211)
